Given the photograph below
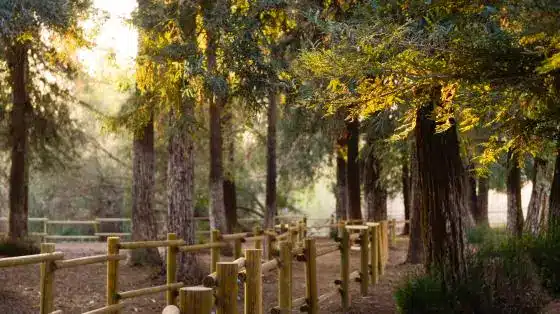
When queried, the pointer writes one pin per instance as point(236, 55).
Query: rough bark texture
point(19, 128)
point(230, 193)
point(271, 160)
point(482, 202)
point(470, 187)
point(554, 200)
point(375, 193)
point(513, 185)
point(144, 225)
point(441, 174)
point(406, 191)
point(341, 186)
point(353, 170)
point(216, 101)
point(533, 222)
point(416, 244)
point(180, 191)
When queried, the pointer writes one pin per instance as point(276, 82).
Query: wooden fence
point(273, 250)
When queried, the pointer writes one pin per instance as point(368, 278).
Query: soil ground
point(81, 289)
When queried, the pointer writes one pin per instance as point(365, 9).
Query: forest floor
point(83, 288)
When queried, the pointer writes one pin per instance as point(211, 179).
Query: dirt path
point(81, 289)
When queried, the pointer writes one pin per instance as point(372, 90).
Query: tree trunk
point(230, 194)
point(533, 223)
point(415, 253)
point(216, 100)
point(482, 202)
point(554, 199)
point(472, 197)
point(375, 193)
point(180, 190)
point(144, 225)
point(406, 189)
point(441, 176)
point(271, 160)
point(353, 170)
point(513, 183)
point(341, 186)
point(19, 128)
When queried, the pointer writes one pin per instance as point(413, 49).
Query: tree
point(535, 209)
point(22, 23)
point(415, 253)
point(353, 170)
point(513, 182)
point(143, 166)
point(271, 173)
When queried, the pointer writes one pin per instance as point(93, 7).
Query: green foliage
point(10, 248)
point(501, 278)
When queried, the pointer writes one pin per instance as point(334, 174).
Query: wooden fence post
point(364, 262)
point(112, 272)
point(393, 232)
point(47, 280)
point(311, 293)
point(226, 298)
point(374, 253)
point(215, 251)
point(270, 245)
point(385, 241)
point(293, 234)
point(253, 282)
point(196, 300)
point(380, 264)
point(285, 278)
point(300, 231)
point(344, 266)
point(171, 272)
point(237, 248)
point(257, 232)
point(304, 227)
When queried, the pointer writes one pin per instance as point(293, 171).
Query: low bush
point(10, 248)
point(502, 278)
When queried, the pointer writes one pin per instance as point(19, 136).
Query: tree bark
point(341, 186)
point(533, 222)
point(415, 253)
point(441, 174)
point(144, 225)
point(472, 196)
point(513, 183)
point(216, 100)
point(406, 191)
point(375, 193)
point(271, 160)
point(180, 190)
point(18, 67)
point(554, 198)
point(230, 193)
point(482, 202)
point(353, 170)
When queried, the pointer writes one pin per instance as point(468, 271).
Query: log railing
point(273, 250)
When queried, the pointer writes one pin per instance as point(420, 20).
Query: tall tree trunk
point(375, 193)
point(19, 128)
point(230, 194)
point(406, 189)
point(482, 202)
point(513, 183)
point(341, 186)
point(554, 199)
point(415, 253)
point(472, 197)
point(441, 174)
point(180, 190)
point(180, 166)
point(353, 170)
point(216, 100)
point(144, 225)
point(271, 160)
point(533, 223)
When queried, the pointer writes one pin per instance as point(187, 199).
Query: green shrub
point(9, 248)
point(545, 254)
point(501, 279)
